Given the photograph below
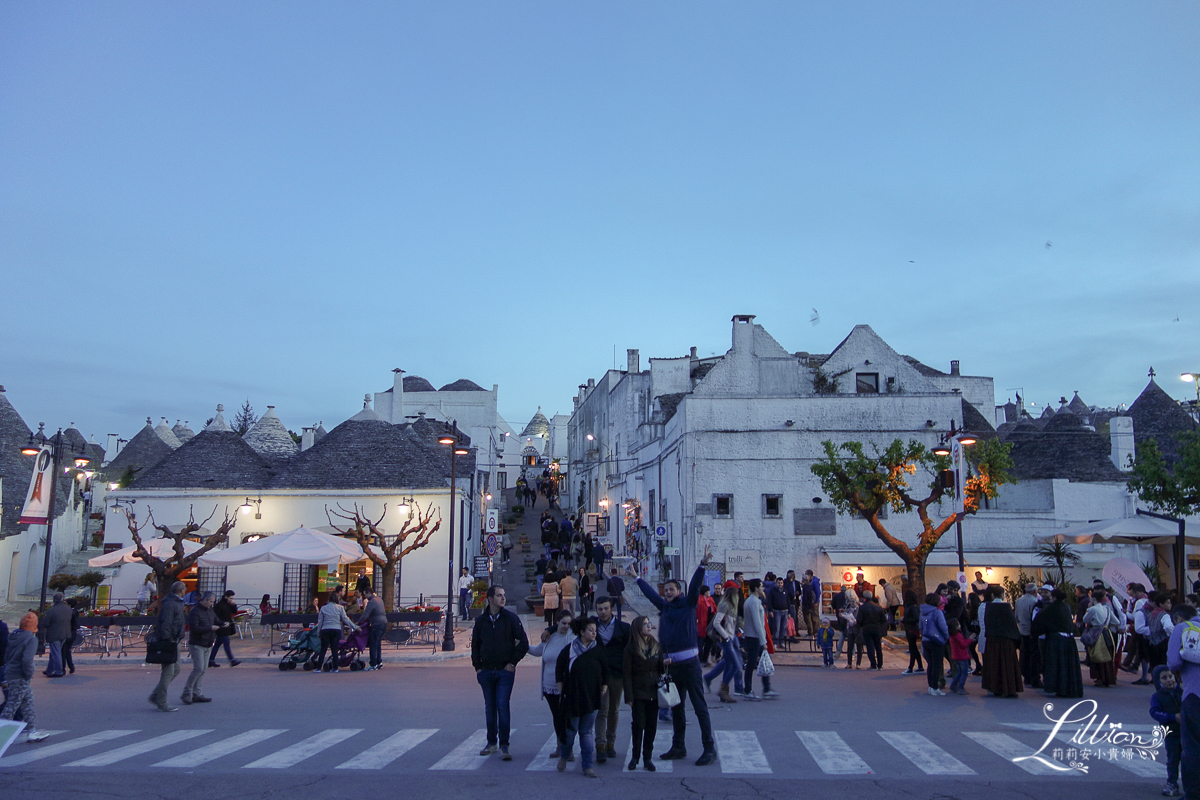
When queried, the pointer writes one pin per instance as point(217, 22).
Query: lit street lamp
point(1194, 378)
point(456, 449)
point(57, 450)
point(960, 439)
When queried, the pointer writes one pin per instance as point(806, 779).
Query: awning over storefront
point(1130, 530)
point(938, 558)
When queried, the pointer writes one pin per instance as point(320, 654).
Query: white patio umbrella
point(159, 548)
point(301, 546)
point(1128, 530)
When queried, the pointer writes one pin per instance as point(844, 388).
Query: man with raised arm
point(677, 635)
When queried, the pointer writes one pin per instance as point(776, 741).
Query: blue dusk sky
point(202, 203)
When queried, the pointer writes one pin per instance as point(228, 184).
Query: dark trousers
point(874, 647)
point(464, 603)
point(556, 714)
point(329, 641)
point(68, 662)
point(935, 664)
point(914, 651)
point(375, 643)
point(690, 682)
point(1189, 728)
point(645, 728)
point(1031, 661)
point(754, 651)
point(222, 641)
point(497, 687)
point(1174, 748)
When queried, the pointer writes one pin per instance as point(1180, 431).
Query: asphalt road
point(270, 733)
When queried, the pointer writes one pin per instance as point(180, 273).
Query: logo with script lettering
point(1078, 736)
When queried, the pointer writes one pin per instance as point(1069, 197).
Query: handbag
point(161, 652)
point(668, 693)
point(766, 667)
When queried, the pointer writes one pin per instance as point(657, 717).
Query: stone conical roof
point(14, 467)
point(367, 412)
point(211, 460)
point(1157, 416)
point(74, 439)
point(462, 385)
point(1078, 407)
point(319, 432)
point(182, 431)
point(144, 450)
point(538, 426)
point(415, 383)
point(219, 423)
point(166, 434)
point(269, 438)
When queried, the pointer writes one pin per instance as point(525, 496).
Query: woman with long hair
point(912, 632)
point(552, 644)
point(550, 596)
point(581, 674)
point(725, 628)
point(1106, 621)
point(644, 666)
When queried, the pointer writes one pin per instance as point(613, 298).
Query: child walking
point(960, 654)
point(1165, 705)
point(825, 640)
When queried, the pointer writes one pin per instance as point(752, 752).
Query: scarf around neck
point(578, 648)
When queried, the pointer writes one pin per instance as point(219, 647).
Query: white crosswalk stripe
point(927, 756)
point(62, 747)
point(832, 754)
point(293, 755)
point(138, 748)
point(221, 748)
point(1009, 748)
point(545, 761)
point(466, 755)
point(387, 751)
point(740, 753)
point(1142, 767)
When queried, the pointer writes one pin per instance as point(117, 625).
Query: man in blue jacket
point(677, 636)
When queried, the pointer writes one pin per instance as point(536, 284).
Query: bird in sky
point(1049, 245)
point(814, 317)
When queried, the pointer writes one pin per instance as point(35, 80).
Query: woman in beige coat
point(550, 596)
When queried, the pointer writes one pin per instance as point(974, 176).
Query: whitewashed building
point(717, 451)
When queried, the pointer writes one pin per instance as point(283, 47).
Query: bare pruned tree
point(385, 549)
point(167, 570)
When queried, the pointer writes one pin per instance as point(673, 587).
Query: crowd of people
point(542, 486)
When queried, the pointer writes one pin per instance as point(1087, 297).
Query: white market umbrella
point(159, 548)
point(301, 546)
point(1129, 530)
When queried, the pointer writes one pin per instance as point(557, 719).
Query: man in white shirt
point(464, 594)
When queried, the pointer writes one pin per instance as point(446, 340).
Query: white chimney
point(954, 366)
point(307, 439)
point(1121, 434)
point(632, 362)
point(743, 332)
point(110, 452)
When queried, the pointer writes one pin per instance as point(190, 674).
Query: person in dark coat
point(56, 623)
point(169, 628)
point(498, 643)
point(18, 671)
point(1054, 627)
point(225, 609)
point(999, 641)
point(873, 622)
point(69, 642)
point(202, 633)
point(644, 665)
point(613, 636)
point(581, 675)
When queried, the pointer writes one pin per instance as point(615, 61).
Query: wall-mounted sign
point(742, 561)
point(492, 524)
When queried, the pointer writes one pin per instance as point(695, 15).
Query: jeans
point(754, 651)
point(1174, 746)
point(497, 687)
point(935, 664)
point(464, 603)
point(56, 666)
point(874, 647)
point(962, 668)
point(779, 625)
point(689, 681)
point(168, 673)
point(610, 708)
point(560, 722)
point(221, 641)
point(195, 681)
point(730, 666)
point(645, 728)
point(329, 641)
point(583, 726)
point(827, 656)
point(375, 643)
point(1189, 729)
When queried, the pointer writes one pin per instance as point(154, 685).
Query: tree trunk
point(915, 568)
point(388, 576)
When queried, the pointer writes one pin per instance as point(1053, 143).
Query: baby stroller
point(350, 652)
point(302, 648)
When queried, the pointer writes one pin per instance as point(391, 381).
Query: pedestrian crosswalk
point(740, 752)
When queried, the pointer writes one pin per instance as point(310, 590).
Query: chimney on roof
point(743, 331)
point(307, 439)
point(632, 361)
point(693, 354)
point(1121, 434)
point(954, 367)
point(112, 445)
point(591, 384)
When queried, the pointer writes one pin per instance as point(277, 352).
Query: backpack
point(1189, 642)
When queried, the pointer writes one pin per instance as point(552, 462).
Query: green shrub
point(90, 579)
point(518, 509)
point(62, 581)
point(1014, 589)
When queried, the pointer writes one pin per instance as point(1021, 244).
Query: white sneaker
point(907, 672)
point(751, 696)
point(35, 736)
point(932, 692)
point(940, 693)
point(771, 694)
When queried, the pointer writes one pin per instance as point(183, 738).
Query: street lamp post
point(960, 439)
point(57, 453)
point(1194, 378)
point(456, 449)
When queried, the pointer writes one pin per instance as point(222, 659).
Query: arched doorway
point(33, 577)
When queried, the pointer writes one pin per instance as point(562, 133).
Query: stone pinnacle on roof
point(219, 423)
point(367, 412)
point(269, 438)
point(166, 434)
point(320, 432)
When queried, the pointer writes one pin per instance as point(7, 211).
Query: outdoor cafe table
point(116, 621)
